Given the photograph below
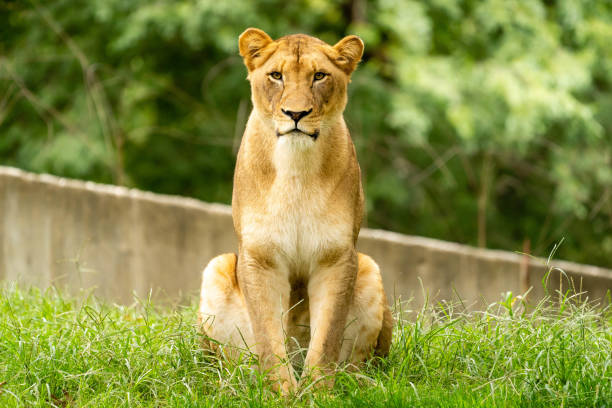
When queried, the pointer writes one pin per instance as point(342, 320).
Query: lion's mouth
point(313, 135)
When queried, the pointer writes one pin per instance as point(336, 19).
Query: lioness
point(297, 207)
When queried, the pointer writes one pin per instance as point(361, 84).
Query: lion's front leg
point(330, 290)
point(266, 291)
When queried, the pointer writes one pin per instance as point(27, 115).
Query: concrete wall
point(123, 241)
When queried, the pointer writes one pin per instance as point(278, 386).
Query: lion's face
point(298, 82)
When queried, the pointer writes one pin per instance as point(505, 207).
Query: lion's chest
point(303, 227)
point(298, 220)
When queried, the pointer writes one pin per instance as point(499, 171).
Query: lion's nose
point(296, 116)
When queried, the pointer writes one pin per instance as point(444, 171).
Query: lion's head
point(298, 82)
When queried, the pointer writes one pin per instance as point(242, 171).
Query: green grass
point(57, 350)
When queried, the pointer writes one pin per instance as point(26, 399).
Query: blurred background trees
point(482, 122)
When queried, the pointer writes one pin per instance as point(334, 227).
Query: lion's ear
point(350, 50)
point(250, 43)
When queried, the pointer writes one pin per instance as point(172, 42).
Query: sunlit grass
point(60, 350)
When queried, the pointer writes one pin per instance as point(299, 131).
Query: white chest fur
point(297, 220)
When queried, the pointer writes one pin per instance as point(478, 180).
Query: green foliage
point(66, 351)
point(483, 122)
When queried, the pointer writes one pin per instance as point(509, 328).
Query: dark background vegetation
point(482, 122)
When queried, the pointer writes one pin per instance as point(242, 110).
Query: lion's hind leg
point(222, 314)
point(369, 321)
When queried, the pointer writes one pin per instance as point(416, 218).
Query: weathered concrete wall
point(416, 267)
point(123, 241)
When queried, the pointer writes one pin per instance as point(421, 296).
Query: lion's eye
point(319, 76)
point(276, 75)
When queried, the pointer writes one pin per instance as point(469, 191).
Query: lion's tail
point(386, 332)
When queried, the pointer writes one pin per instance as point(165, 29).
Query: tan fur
point(297, 209)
